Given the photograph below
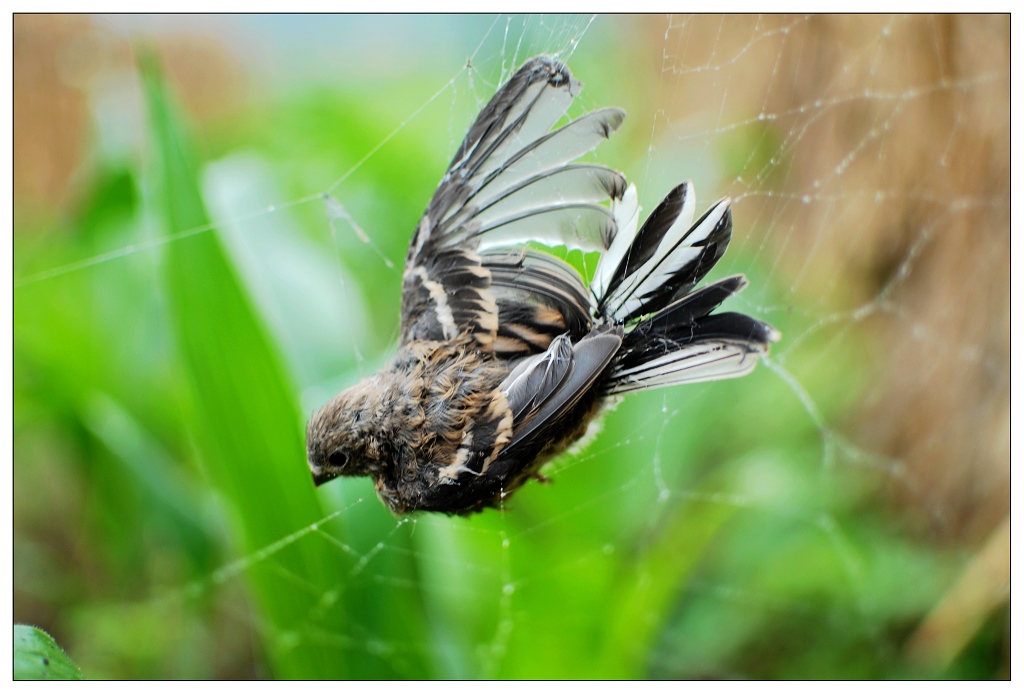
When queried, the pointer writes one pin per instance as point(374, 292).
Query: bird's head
point(342, 438)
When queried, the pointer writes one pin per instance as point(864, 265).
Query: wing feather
point(522, 110)
point(590, 357)
point(511, 182)
point(573, 183)
point(538, 377)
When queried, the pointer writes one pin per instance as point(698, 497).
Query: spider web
point(842, 489)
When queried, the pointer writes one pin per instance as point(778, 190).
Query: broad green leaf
point(38, 657)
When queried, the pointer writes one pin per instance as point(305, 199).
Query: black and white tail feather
point(641, 324)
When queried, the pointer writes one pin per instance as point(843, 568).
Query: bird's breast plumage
point(453, 420)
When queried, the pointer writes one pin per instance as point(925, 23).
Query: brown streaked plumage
point(506, 355)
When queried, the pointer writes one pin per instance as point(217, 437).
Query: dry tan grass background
point(913, 230)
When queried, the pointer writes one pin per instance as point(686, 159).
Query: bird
point(506, 354)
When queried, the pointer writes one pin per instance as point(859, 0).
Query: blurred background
point(211, 215)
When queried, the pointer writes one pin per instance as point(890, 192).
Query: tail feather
point(692, 307)
point(693, 363)
point(736, 328)
point(648, 248)
point(646, 283)
point(666, 258)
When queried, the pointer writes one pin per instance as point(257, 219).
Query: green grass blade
point(243, 415)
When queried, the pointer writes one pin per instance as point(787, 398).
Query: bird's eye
point(337, 459)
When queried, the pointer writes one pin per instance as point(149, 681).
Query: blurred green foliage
point(167, 526)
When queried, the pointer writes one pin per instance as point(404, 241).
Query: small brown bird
point(506, 355)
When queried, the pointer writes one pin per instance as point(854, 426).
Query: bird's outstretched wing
point(513, 181)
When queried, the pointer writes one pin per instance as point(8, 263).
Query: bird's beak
point(320, 476)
